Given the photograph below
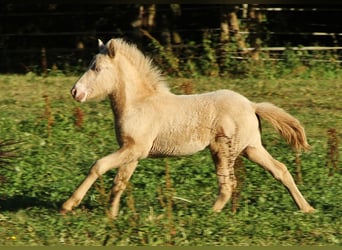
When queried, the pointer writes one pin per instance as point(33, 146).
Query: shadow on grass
point(25, 202)
point(18, 202)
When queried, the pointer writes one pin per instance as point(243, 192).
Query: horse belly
point(178, 145)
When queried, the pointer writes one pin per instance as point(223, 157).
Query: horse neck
point(132, 87)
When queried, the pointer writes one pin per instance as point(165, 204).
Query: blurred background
point(184, 39)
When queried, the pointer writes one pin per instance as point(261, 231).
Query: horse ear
point(101, 44)
point(111, 49)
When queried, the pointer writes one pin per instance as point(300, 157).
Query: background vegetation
point(168, 201)
point(39, 36)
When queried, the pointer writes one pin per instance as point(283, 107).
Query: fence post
point(44, 61)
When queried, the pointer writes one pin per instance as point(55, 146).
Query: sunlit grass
point(54, 160)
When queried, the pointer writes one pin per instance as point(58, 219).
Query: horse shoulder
point(142, 120)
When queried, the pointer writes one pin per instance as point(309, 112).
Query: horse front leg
point(124, 156)
point(120, 183)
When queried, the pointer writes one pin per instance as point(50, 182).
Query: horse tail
point(285, 124)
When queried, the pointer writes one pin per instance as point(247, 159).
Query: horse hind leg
point(279, 171)
point(120, 183)
point(224, 159)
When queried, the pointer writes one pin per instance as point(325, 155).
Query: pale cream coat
point(150, 121)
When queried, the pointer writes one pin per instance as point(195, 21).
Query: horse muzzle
point(78, 94)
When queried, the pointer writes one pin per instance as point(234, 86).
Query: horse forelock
point(142, 63)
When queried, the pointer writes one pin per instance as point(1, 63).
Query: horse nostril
point(73, 92)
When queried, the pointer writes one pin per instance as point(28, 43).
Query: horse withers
point(151, 121)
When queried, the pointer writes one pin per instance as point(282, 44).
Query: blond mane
point(142, 63)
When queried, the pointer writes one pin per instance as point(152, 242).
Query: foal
point(151, 121)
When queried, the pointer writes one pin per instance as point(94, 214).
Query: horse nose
point(78, 94)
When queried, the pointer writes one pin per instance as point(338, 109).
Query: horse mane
point(143, 64)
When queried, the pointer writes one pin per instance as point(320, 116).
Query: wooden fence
point(32, 51)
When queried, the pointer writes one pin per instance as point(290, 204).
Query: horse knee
point(122, 177)
point(120, 184)
point(96, 169)
point(100, 167)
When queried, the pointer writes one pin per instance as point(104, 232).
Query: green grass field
point(60, 139)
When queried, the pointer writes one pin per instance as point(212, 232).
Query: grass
point(169, 200)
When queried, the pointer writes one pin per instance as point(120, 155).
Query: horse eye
point(95, 68)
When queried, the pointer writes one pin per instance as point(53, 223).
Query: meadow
point(168, 201)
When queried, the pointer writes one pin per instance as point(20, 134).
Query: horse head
point(97, 81)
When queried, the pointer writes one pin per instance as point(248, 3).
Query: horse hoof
point(64, 211)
